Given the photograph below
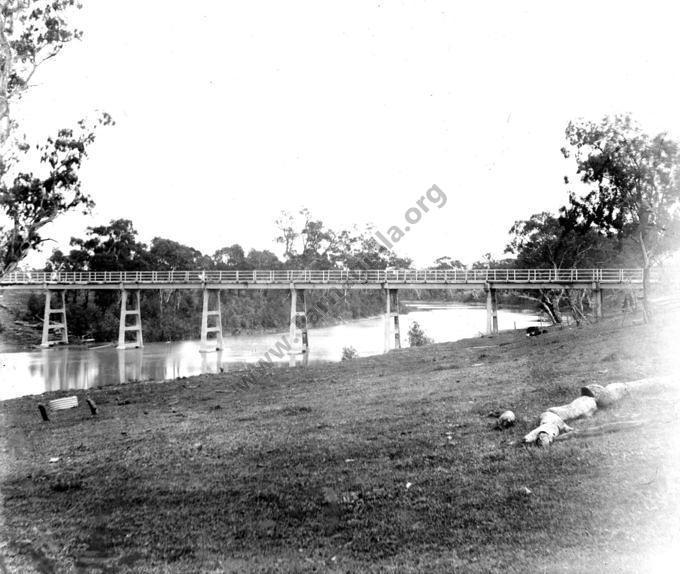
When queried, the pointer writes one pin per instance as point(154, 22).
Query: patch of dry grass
point(387, 463)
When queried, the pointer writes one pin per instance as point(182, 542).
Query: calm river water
point(34, 372)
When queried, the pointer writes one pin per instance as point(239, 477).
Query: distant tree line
point(175, 314)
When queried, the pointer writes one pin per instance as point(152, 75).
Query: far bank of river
point(35, 372)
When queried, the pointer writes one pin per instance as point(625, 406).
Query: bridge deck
point(328, 279)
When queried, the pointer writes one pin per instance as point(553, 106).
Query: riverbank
point(387, 463)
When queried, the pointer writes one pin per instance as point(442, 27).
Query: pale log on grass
point(550, 426)
point(580, 407)
point(614, 392)
point(605, 396)
point(593, 396)
point(552, 422)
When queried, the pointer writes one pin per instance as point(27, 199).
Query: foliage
point(33, 198)
point(634, 186)
point(633, 179)
point(416, 336)
point(349, 353)
point(175, 314)
point(32, 32)
point(447, 262)
point(488, 262)
point(309, 244)
point(543, 241)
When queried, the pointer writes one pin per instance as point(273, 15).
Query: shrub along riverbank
point(387, 463)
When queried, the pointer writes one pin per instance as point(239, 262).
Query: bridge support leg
point(298, 326)
point(491, 311)
point(59, 325)
point(206, 328)
point(597, 296)
point(136, 327)
point(392, 334)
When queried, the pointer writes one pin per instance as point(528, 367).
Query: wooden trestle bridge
point(130, 283)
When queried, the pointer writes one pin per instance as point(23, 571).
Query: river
point(64, 368)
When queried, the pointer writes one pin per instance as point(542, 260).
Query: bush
point(416, 336)
point(349, 353)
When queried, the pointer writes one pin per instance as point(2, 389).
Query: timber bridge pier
point(298, 282)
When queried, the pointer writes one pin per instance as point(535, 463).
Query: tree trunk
point(551, 307)
point(644, 221)
point(576, 306)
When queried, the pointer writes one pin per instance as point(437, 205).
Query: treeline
point(176, 314)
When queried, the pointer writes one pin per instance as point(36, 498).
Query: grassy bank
point(387, 463)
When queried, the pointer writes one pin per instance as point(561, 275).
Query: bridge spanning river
point(327, 279)
point(334, 281)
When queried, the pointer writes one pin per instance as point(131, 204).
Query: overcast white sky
point(229, 112)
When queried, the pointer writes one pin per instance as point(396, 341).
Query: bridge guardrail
point(347, 276)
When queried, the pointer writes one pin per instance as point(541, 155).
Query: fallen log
point(550, 426)
point(614, 392)
point(592, 397)
point(580, 407)
point(552, 422)
point(605, 396)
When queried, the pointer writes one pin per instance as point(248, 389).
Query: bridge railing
point(346, 276)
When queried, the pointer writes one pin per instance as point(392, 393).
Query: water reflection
point(130, 365)
point(34, 372)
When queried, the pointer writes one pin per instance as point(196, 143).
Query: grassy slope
point(307, 470)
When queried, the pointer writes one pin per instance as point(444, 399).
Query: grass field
point(383, 464)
